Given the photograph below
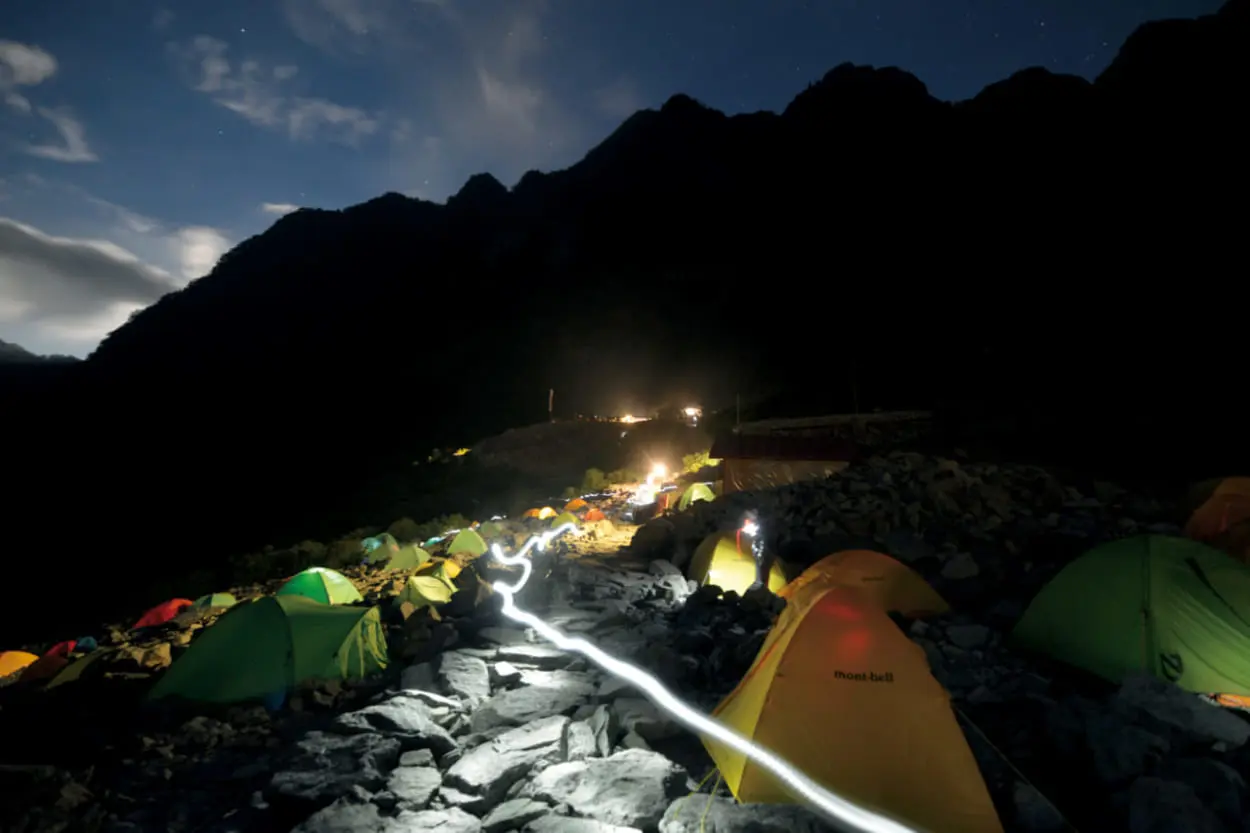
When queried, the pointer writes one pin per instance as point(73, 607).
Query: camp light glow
point(842, 812)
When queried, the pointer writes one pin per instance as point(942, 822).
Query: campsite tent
point(695, 492)
point(491, 529)
point(425, 591)
point(321, 585)
point(13, 661)
point(407, 557)
point(545, 513)
point(443, 570)
point(576, 504)
point(379, 548)
point(1223, 519)
point(531, 513)
point(215, 600)
point(467, 541)
point(268, 646)
point(162, 613)
point(842, 694)
point(890, 583)
point(723, 561)
point(593, 514)
point(565, 518)
point(1170, 606)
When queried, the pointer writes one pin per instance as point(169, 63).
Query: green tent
point(321, 585)
point(565, 518)
point(213, 600)
point(491, 529)
point(379, 548)
point(444, 571)
point(407, 557)
point(467, 541)
point(696, 491)
point(423, 591)
point(268, 646)
point(1170, 606)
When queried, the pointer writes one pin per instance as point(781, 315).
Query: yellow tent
point(840, 692)
point(423, 591)
point(890, 583)
point(13, 661)
point(545, 513)
point(444, 571)
point(720, 560)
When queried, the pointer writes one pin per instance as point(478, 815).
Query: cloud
point(619, 99)
point(73, 146)
point(259, 94)
point(485, 94)
point(24, 66)
point(278, 208)
point(76, 289)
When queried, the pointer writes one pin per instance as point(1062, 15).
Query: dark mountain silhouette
point(1051, 245)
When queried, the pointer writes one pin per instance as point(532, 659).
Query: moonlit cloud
point(278, 208)
point(262, 94)
point(489, 99)
point(72, 288)
point(23, 66)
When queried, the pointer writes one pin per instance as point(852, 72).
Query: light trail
point(843, 813)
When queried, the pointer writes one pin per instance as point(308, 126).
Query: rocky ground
point(481, 727)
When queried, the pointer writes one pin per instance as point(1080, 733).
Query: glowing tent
point(545, 513)
point(841, 693)
point(408, 557)
point(725, 562)
point(13, 661)
point(1168, 606)
point(575, 505)
point(321, 585)
point(268, 646)
point(380, 548)
point(467, 541)
point(214, 600)
point(444, 571)
point(593, 514)
point(162, 613)
point(425, 591)
point(531, 513)
point(1223, 519)
point(891, 584)
point(695, 492)
point(565, 518)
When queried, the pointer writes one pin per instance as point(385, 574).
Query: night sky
point(140, 141)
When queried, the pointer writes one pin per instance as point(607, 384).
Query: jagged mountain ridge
point(858, 225)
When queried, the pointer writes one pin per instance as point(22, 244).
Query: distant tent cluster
point(314, 626)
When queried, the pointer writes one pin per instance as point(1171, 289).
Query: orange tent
point(890, 583)
point(1223, 520)
point(575, 504)
point(841, 693)
point(531, 513)
point(162, 613)
point(13, 661)
point(593, 515)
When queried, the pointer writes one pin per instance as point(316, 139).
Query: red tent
point(162, 613)
point(593, 515)
point(62, 649)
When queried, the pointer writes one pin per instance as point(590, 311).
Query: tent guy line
point(844, 814)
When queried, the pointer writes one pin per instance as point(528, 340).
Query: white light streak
point(843, 813)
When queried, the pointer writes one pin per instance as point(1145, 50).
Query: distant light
point(750, 528)
point(460, 452)
point(692, 412)
point(659, 470)
point(628, 418)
